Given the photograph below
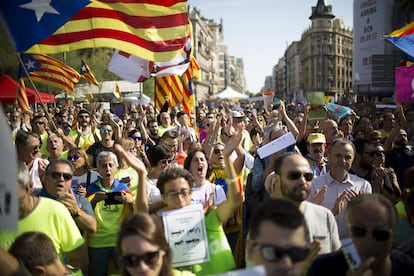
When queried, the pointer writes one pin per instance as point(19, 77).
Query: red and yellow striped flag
point(193, 72)
point(48, 70)
point(155, 30)
point(169, 87)
point(22, 100)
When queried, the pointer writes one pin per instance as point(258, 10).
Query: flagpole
point(36, 91)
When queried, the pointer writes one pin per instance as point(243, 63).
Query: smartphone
point(110, 198)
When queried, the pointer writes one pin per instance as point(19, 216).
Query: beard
point(296, 194)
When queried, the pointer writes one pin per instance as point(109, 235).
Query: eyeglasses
point(74, 157)
point(378, 234)
point(136, 138)
point(149, 258)
point(58, 175)
point(176, 194)
point(105, 130)
point(372, 153)
point(294, 175)
point(273, 253)
point(217, 151)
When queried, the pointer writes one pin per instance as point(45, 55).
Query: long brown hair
point(150, 229)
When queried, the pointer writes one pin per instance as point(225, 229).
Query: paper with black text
point(185, 230)
point(276, 145)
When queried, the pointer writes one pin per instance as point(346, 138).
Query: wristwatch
point(78, 213)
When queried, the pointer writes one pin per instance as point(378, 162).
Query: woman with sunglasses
point(83, 175)
point(143, 248)
point(139, 140)
point(372, 223)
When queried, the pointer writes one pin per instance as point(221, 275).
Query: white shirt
point(335, 189)
point(199, 194)
point(153, 193)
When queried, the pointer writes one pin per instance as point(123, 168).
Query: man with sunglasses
point(277, 238)
point(85, 133)
point(363, 166)
point(292, 181)
point(372, 223)
point(57, 185)
point(105, 144)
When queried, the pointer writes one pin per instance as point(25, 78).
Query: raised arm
point(227, 208)
point(141, 202)
point(290, 124)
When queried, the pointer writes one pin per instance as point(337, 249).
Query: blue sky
point(259, 30)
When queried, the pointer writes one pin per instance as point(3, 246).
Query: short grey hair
point(104, 155)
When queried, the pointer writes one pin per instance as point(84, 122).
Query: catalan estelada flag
point(29, 22)
point(22, 100)
point(48, 70)
point(87, 74)
point(403, 38)
point(155, 30)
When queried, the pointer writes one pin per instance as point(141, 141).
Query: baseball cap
point(314, 138)
point(84, 111)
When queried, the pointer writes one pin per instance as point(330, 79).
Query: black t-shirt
point(95, 149)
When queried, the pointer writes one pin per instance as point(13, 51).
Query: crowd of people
point(93, 187)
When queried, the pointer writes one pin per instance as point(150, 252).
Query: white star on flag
point(30, 64)
point(40, 7)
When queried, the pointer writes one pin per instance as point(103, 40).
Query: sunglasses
point(105, 130)
point(58, 175)
point(39, 123)
point(373, 153)
point(166, 161)
point(273, 253)
point(294, 175)
point(149, 258)
point(217, 151)
point(74, 157)
point(379, 235)
point(136, 138)
point(176, 194)
point(83, 116)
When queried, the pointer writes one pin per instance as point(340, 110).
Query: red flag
point(404, 84)
point(193, 72)
point(22, 100)
point(155, 30)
